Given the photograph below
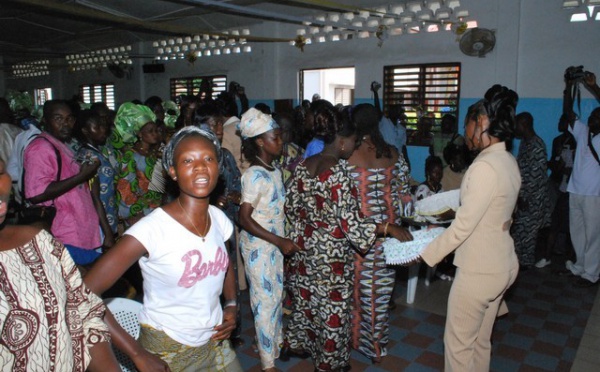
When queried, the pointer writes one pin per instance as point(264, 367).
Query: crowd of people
point(189, 203)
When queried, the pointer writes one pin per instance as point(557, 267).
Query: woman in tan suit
point(485, 255)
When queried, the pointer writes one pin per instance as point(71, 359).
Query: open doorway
point(335, 85)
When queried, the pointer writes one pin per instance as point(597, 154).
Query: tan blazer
point(480, 233)
point(233, 142)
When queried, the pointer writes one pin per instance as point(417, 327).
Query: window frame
point(301, 82)
point(103, 92)
point(426, 97)
point(192, 85)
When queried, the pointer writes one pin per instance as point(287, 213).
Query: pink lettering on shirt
point(198, 270)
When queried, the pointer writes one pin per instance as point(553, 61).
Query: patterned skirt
point(212, 356)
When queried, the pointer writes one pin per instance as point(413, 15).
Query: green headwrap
point(130, 119)
point(171, 113)
point(19, 101)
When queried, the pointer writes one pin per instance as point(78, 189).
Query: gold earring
point(174, 178)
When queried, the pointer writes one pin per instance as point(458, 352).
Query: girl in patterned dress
point(261, 242)
point(324, 209)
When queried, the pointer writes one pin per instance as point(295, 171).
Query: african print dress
point(49, 318)
point(381, 192)
point(263, 261)
point(133, 179)
point(327, 223)
point(533, 210)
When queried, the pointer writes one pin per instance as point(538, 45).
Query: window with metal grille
point(190, 86)
point(422, 90)
point(345, 96)
point(42, 95)
point(98, 93)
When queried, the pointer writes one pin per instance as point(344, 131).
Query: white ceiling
point(37, 29)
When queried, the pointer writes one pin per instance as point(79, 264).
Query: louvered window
point(190, 86)
point(98, 93)
point(423, 89)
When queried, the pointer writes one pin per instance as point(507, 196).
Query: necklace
point(269, 167)
point(203, 236)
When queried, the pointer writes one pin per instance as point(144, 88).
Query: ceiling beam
point(81, 13)
point(229, 8)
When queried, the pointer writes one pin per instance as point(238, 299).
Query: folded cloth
point(429, 208)
point(403, 253)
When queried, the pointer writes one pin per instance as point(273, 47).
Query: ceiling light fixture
point(396, 19)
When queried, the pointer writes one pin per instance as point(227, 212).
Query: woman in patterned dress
point(381, 176)
point(323, 207)
point(49, 319)
point(135, 138)
point(261, 242)
point(138, 135)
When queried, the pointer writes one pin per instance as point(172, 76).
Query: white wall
point(535, 43)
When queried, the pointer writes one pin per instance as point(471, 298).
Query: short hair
point(188, 132)
point(433, 161)
point(153, 102)
point(526, 118)
point(205, 112)
point(286, 123)
point(366, 118)
point(51, 105)
point(227, 104)
point(448, 123)
point(84, 119)
point(99, 105)
point(263, 107)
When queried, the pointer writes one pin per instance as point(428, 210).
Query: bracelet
point(385, 229)
point(230, 303)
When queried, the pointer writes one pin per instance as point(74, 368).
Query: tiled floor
point(542, 332)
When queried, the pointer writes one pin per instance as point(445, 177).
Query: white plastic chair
point(413, 278)
point(126, 313)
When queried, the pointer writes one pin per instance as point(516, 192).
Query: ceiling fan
point(119, 70)
point(477, 42)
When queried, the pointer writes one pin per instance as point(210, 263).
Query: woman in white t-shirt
point(185, 266)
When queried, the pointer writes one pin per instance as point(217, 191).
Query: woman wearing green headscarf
point(138, 135)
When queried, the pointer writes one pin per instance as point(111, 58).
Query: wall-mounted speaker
point(153, 68)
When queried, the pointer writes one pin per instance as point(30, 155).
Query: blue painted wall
point(545, 111)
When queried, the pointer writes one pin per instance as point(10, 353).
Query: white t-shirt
point(585, 178)
point(183, 276)
point(15, 161)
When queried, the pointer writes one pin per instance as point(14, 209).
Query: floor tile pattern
point(542, 332)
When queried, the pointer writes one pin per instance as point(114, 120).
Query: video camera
point(575, 73)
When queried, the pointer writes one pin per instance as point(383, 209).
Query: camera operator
point(584, 185)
